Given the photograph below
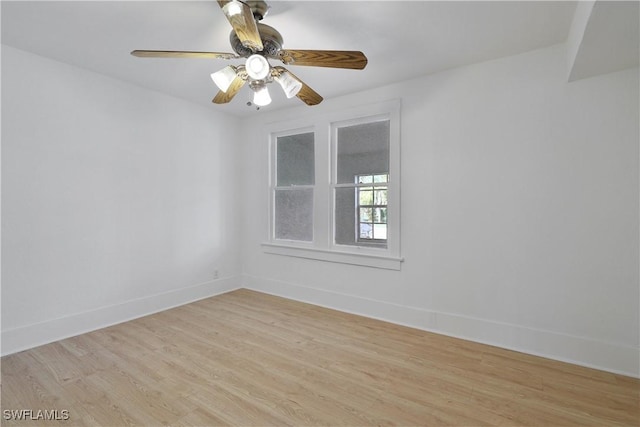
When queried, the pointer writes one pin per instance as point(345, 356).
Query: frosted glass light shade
point(261, 96)
point(290, 85)
point(232, 8)
point(224, 77)
point(257, 67)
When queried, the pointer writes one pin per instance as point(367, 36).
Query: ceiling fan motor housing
point(271, 41)
point(259, 8)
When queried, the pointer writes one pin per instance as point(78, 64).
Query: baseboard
point(582, 351)
point(34, 335)
point(611, 357)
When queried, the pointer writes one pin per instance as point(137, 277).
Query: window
point(362, 157)
point(293, 192)
point(334, 187)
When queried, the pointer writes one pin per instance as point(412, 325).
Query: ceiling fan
point(257, 43)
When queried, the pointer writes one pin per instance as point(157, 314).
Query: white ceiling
point(402, 40)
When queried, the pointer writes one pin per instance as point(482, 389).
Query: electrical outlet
point(216, 274)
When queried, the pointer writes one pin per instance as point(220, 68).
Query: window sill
point(352, 258)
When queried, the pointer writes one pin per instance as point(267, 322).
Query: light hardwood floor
point(245, 358)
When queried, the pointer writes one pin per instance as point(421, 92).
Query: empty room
point(320, 213)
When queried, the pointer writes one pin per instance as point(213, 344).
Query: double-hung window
point(334, 192)
point(361, 182)
point(293, 190)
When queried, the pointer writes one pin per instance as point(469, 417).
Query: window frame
point(393, 188)
point(323, 246)
point(273, 186)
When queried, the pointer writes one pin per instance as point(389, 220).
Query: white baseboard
point(30, 336)
point(605, 356)
point(582, 351)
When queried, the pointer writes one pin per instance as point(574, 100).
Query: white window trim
point(323, 248)
point(351, 257)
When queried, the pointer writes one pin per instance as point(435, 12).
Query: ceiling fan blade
point(234, 88)
point(324, 58)
point(244, 24)
point(306, 94)
point(182, 54)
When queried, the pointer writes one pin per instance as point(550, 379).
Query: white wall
point(519, 212)
point(519, 207)
point(116, 201)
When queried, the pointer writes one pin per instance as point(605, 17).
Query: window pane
point(366, 231)
point(294, 214)
point(381, 178)
point(295, 160)
point(365, 179)
point(380, 197)
point(362, 150)
point(380, 231)
point(365, 215)
point(365, 197)
point(380, 215)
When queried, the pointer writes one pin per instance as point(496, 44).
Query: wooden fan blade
point(306, 94)
point(182, 54)
point(324, 58)
point(309, 96)
point(244, 24)
point(234, 88)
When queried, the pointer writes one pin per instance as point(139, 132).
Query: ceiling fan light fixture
point(232, 8)
point(257, 67)
point(261, 95)
point(290, 85)
point(224, 77)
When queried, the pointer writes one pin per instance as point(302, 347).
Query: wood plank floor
point(245, 358)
